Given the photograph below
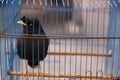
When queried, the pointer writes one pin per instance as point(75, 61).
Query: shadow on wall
point(79, 17)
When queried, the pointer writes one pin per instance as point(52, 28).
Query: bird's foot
point(26, 72)
point(41, 76)
point(26, 76)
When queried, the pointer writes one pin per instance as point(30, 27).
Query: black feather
point(32, 49)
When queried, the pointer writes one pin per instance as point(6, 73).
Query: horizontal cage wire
point(59, 40)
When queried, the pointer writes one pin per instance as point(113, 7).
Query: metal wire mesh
point(84, 39)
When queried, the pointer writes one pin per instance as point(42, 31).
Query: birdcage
point(84, 39)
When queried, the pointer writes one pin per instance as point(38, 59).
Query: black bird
point(32, 49)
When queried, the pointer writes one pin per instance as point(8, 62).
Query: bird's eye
point(30, 25)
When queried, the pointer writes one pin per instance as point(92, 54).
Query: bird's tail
point(33, 64)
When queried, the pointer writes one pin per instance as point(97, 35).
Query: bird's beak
point(22, 23)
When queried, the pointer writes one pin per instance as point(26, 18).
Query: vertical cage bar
point(54, 57)
point(65, 59)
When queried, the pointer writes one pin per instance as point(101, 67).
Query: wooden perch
point(108, 77)
point(80, 54)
